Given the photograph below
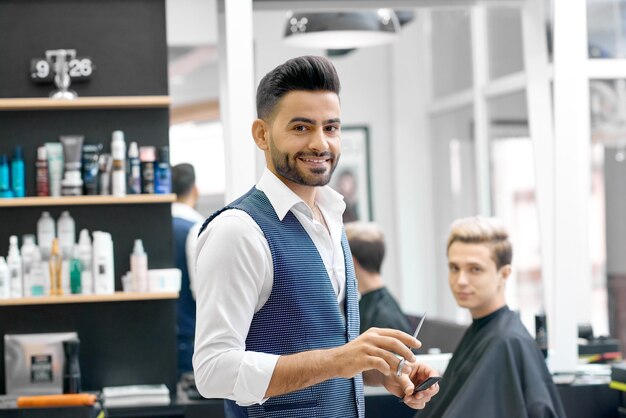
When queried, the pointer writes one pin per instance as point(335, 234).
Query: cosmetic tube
point(72, 184)
point(55, 167)
point(91, 154)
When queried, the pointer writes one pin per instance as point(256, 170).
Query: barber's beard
point(287, 166)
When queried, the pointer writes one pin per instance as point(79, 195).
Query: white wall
point(366, 100)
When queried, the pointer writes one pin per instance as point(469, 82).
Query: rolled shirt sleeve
point(232, 281)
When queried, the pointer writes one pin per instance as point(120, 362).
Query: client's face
point(475, 281)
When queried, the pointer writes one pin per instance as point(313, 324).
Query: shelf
point(115, 297)
point(114, 102)
point(87, 200)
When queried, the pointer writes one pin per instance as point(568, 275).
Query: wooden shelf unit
point(88, 200)
point(115, 297)
point(104, 102)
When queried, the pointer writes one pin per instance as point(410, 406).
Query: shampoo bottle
point(14, 260)
point(139, 268)
point(75, 273)
point(41, 172)
point(55, 264)
point(18, 183)
point(85, 257)
point(28, 263)
point(67, 234)
point(39, 276)
point(5, 283)
point(5, 179)
point(103, 274)
point(45, 234)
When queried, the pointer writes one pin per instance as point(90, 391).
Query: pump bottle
point(14, 260)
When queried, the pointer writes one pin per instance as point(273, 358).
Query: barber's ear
point(506, 271)
point(260, 133)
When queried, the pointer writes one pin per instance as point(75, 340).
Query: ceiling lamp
point(341, 30)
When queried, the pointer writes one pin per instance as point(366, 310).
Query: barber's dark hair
point(183, 179)
point(308, 73)
point(367, 244)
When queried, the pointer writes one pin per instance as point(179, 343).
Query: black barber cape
point(497, 371)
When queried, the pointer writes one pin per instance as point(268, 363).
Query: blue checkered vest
point(301, 314)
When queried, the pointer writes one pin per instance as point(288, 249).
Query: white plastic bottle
point(85, 255)
point(5, 282)
point(40, 276)
point(139, 267)
point(28, 263)
point(103, 274)
point(14, 260)
point(66, 228)
point(118, 152)
point(45, 234)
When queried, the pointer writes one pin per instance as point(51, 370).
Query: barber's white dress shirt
point(234, 280)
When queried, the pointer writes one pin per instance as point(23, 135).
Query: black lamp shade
point(341, 30)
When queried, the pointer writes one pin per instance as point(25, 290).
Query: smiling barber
point(277, 331)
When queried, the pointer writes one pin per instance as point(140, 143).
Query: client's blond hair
point(483, 230)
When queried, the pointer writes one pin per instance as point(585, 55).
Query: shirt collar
point(181, 210)
point(283, 199)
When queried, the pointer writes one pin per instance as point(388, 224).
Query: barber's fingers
point(405, 338)
point(390, 344)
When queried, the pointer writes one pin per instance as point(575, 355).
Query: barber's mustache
point(325, 154)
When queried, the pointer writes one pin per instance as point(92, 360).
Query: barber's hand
point(374, 350)
point(404, 385)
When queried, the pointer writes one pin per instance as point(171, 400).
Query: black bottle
point(71, 368)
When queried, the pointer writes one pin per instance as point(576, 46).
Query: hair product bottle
point(118, 176)
point(5, 286)
point(71, 367)
point(18, 182)
point(85, 257)
point(76, 269)
point(5, 178)
point(147, 157)
point(139, 267)
point(134, 169)
point(14, 260)
point(55, 264)
point(66, 230)
point(163, 173)
point(28, 263)
point(41, 172)
point(46, 232)
point(103, 274)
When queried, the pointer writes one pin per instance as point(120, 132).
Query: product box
point(33, 363)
